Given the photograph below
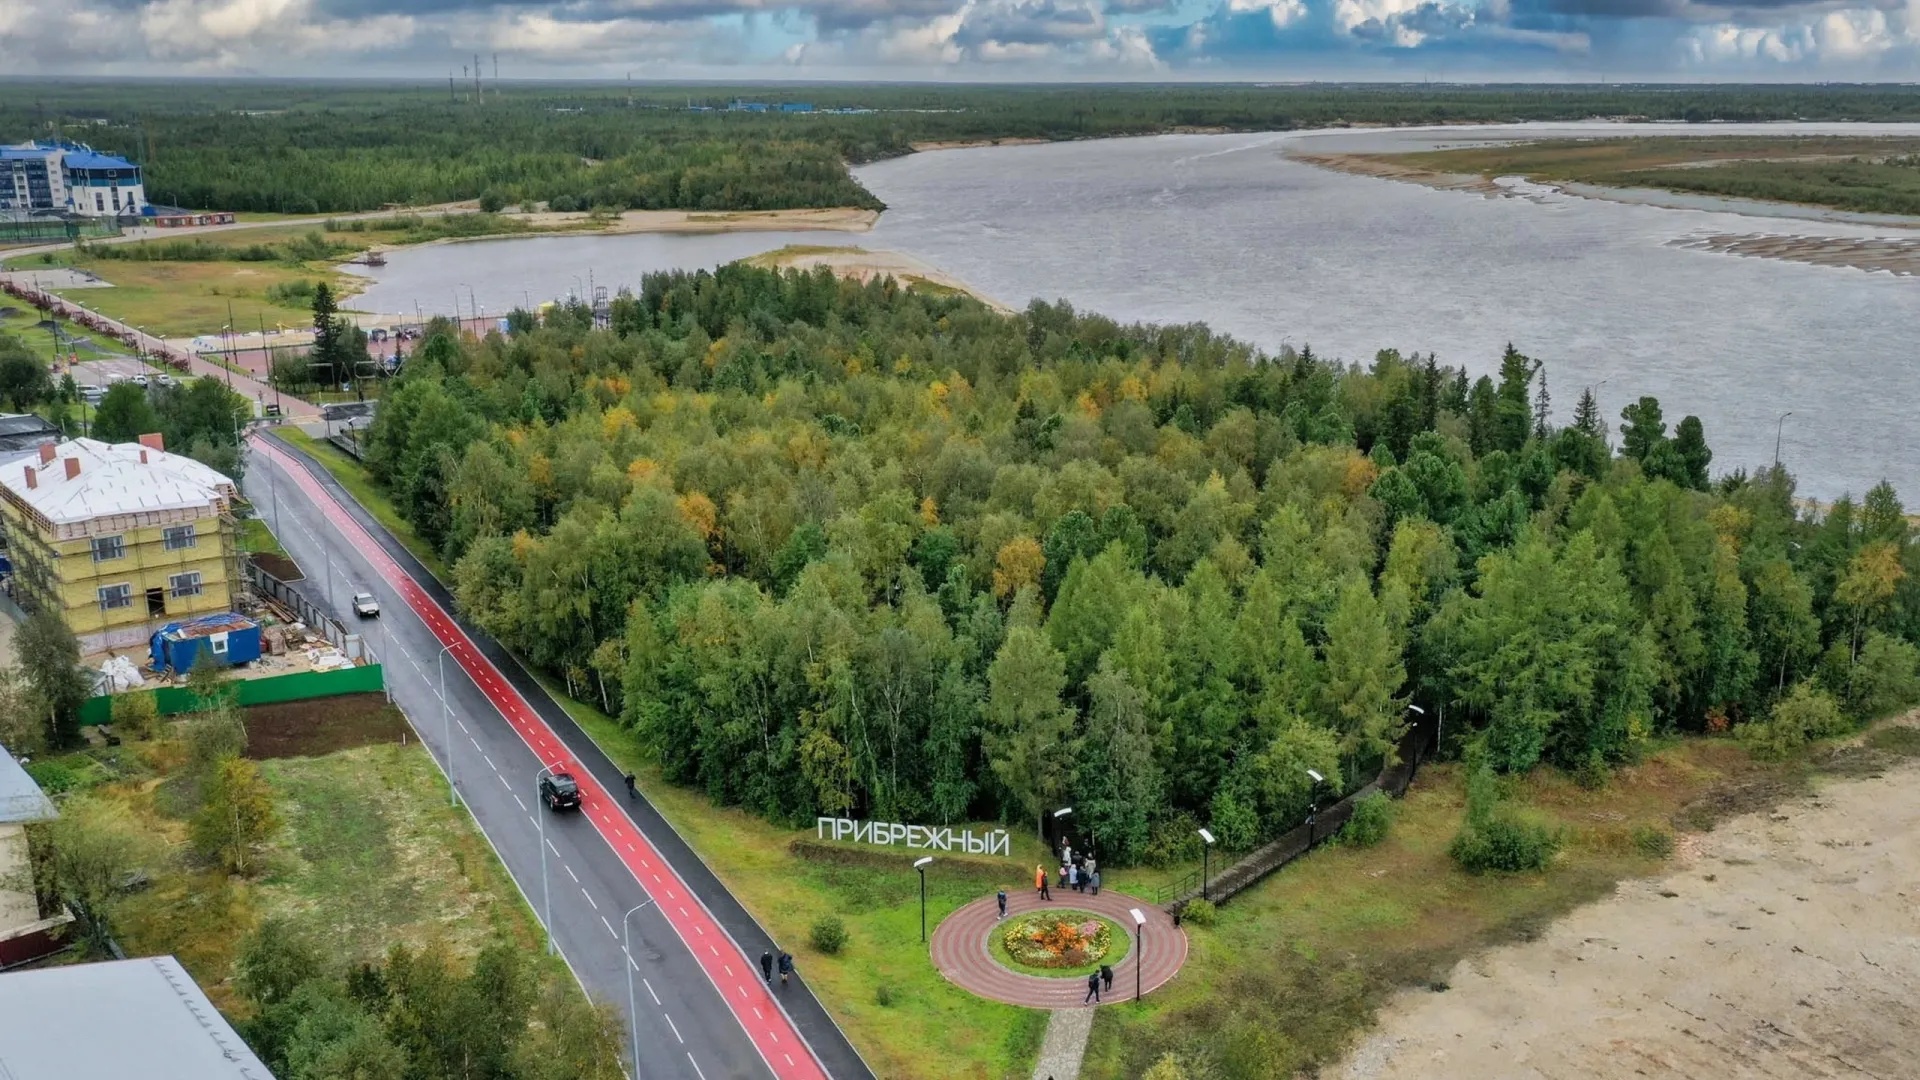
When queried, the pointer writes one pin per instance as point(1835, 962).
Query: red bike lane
point(760, 1016)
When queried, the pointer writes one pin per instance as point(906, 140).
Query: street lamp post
point(446, 724)
point(1436, 731)
point(1206, 850)
point(1139, 947)
point(1313, 803)
point(1064, 811)
point(920, 864)
point(633, 1014)
point(1779, 427)
point(546, 889)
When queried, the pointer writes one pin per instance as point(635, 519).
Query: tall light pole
point(1064, 811)
point(546, 889)
point(446, 724)
point(1313, 803)
point(633, 1015)
point(1206, 850)
point(920, 864)
point(1779, 427)
point(1412, 708)
point(473, 303)
point(1139, 947)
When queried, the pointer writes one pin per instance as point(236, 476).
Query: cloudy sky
point(975, 40)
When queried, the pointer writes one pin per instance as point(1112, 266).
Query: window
point(180, 536)
point(116, 596)
point(109, 547)
point(184, 584)
point(218, 643)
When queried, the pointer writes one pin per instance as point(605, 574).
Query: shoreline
point(864, 265)
point(1893, 255)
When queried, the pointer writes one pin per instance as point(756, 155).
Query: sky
point(975, 40)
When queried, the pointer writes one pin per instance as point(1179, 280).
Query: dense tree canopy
point(833, 547)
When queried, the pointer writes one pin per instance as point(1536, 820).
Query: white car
point(365, 606)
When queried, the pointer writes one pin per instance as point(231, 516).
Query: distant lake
point(1225, 229)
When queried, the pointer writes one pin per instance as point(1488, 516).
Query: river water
point(1225, 229)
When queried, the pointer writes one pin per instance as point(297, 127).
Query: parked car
point(163, 380)
point(365, 606)
point(560, 791)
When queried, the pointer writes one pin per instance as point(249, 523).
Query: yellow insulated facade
point(118, 539)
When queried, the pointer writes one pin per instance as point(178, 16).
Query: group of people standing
point(1080, 874)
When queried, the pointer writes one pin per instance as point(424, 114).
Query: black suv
point(560, 792)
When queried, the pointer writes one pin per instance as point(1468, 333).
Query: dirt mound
point(322, 725)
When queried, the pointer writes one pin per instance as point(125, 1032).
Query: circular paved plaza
point(961, 952)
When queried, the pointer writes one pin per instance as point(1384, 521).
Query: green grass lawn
point(256, 535)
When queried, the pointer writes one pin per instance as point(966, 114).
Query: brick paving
point(961, 953)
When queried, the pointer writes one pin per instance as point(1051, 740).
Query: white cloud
point(226, 34)
point(1282, 12)
point(1839, 41)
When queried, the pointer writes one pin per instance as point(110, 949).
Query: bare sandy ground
point(863, 265)
point(1783, 944)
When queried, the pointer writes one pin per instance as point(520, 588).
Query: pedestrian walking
point(1002, 898)
point(1073, 876)
point(786, 967)
point(1040, 881)
point(766, 965)
point(1106, 977)
point(1045, 894)
point(1096, 883)
point(1093, 989)
point(632, 792)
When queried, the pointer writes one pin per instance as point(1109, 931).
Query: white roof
point(21, 800)
point(125, 1018)
point(112, 480)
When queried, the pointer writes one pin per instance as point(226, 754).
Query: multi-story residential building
point(69, 177)
point(118, 539)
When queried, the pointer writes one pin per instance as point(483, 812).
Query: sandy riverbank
point(1896, 255)
point(970, 144)
point(864, 265)
point(1784, 943)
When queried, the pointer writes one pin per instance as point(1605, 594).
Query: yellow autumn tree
point(1019, 562)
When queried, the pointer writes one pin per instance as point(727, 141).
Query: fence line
point(293, 686)
point(1394, 780)
point(304, 609)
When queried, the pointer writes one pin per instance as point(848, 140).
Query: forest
point(834, 548)
point(295, 147)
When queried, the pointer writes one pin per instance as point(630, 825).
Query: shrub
point(54, 777)
point(883, 996)
point(136, 714)
point(1372, 817)
point(564, 204)
point(1654, 843)
point(1200, 912)
point(1173, 841)
point(296, 293)
point(1805, 714)
point(829, 935)
point(491, 202)
point(1592, 773)
point(1504, 842)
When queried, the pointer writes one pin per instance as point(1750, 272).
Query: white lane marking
point(629, 847)
point(699, 930)
point(475, 742)
point(571, 874)
point(503, 781)
point(729, 968)
point(683, 913)
point(742, 989)
point(490, 763)
point(463, 726)
point(522, 803)
point(609, 926)
point(774, 1035)
point(696, 1065)
point(713, 950)
point(789, 1058)
point(636, 967)
point(589, 896)
point(756, 1013)
point(650, 993)
point(553, 849)
point(675, 1027)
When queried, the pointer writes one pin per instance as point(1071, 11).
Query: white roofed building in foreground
point(118, 538)
point(120, 1020)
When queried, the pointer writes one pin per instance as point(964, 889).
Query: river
point(1225, 229)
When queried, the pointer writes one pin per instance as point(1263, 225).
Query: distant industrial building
point(69, 177)
point(118, 539)
point(142, 1018)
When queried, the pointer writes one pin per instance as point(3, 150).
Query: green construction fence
point(298, 686)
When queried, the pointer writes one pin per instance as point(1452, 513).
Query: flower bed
point(1064, 942)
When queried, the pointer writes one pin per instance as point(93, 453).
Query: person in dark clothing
point(632, 792)
point(1106, 977)
point(1093, 989)
point(1094, 880)
point(1002, 898)
point(1044, 893)
point(766, 965)
point(786, 967)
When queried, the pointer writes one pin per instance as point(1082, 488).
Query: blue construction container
point(228, 636)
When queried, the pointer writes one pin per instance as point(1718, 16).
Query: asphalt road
point(701, 1015)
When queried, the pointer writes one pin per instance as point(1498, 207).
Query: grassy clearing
point(181, 299)
point(255, 535)
point(360, 874)
point(1845, 173)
